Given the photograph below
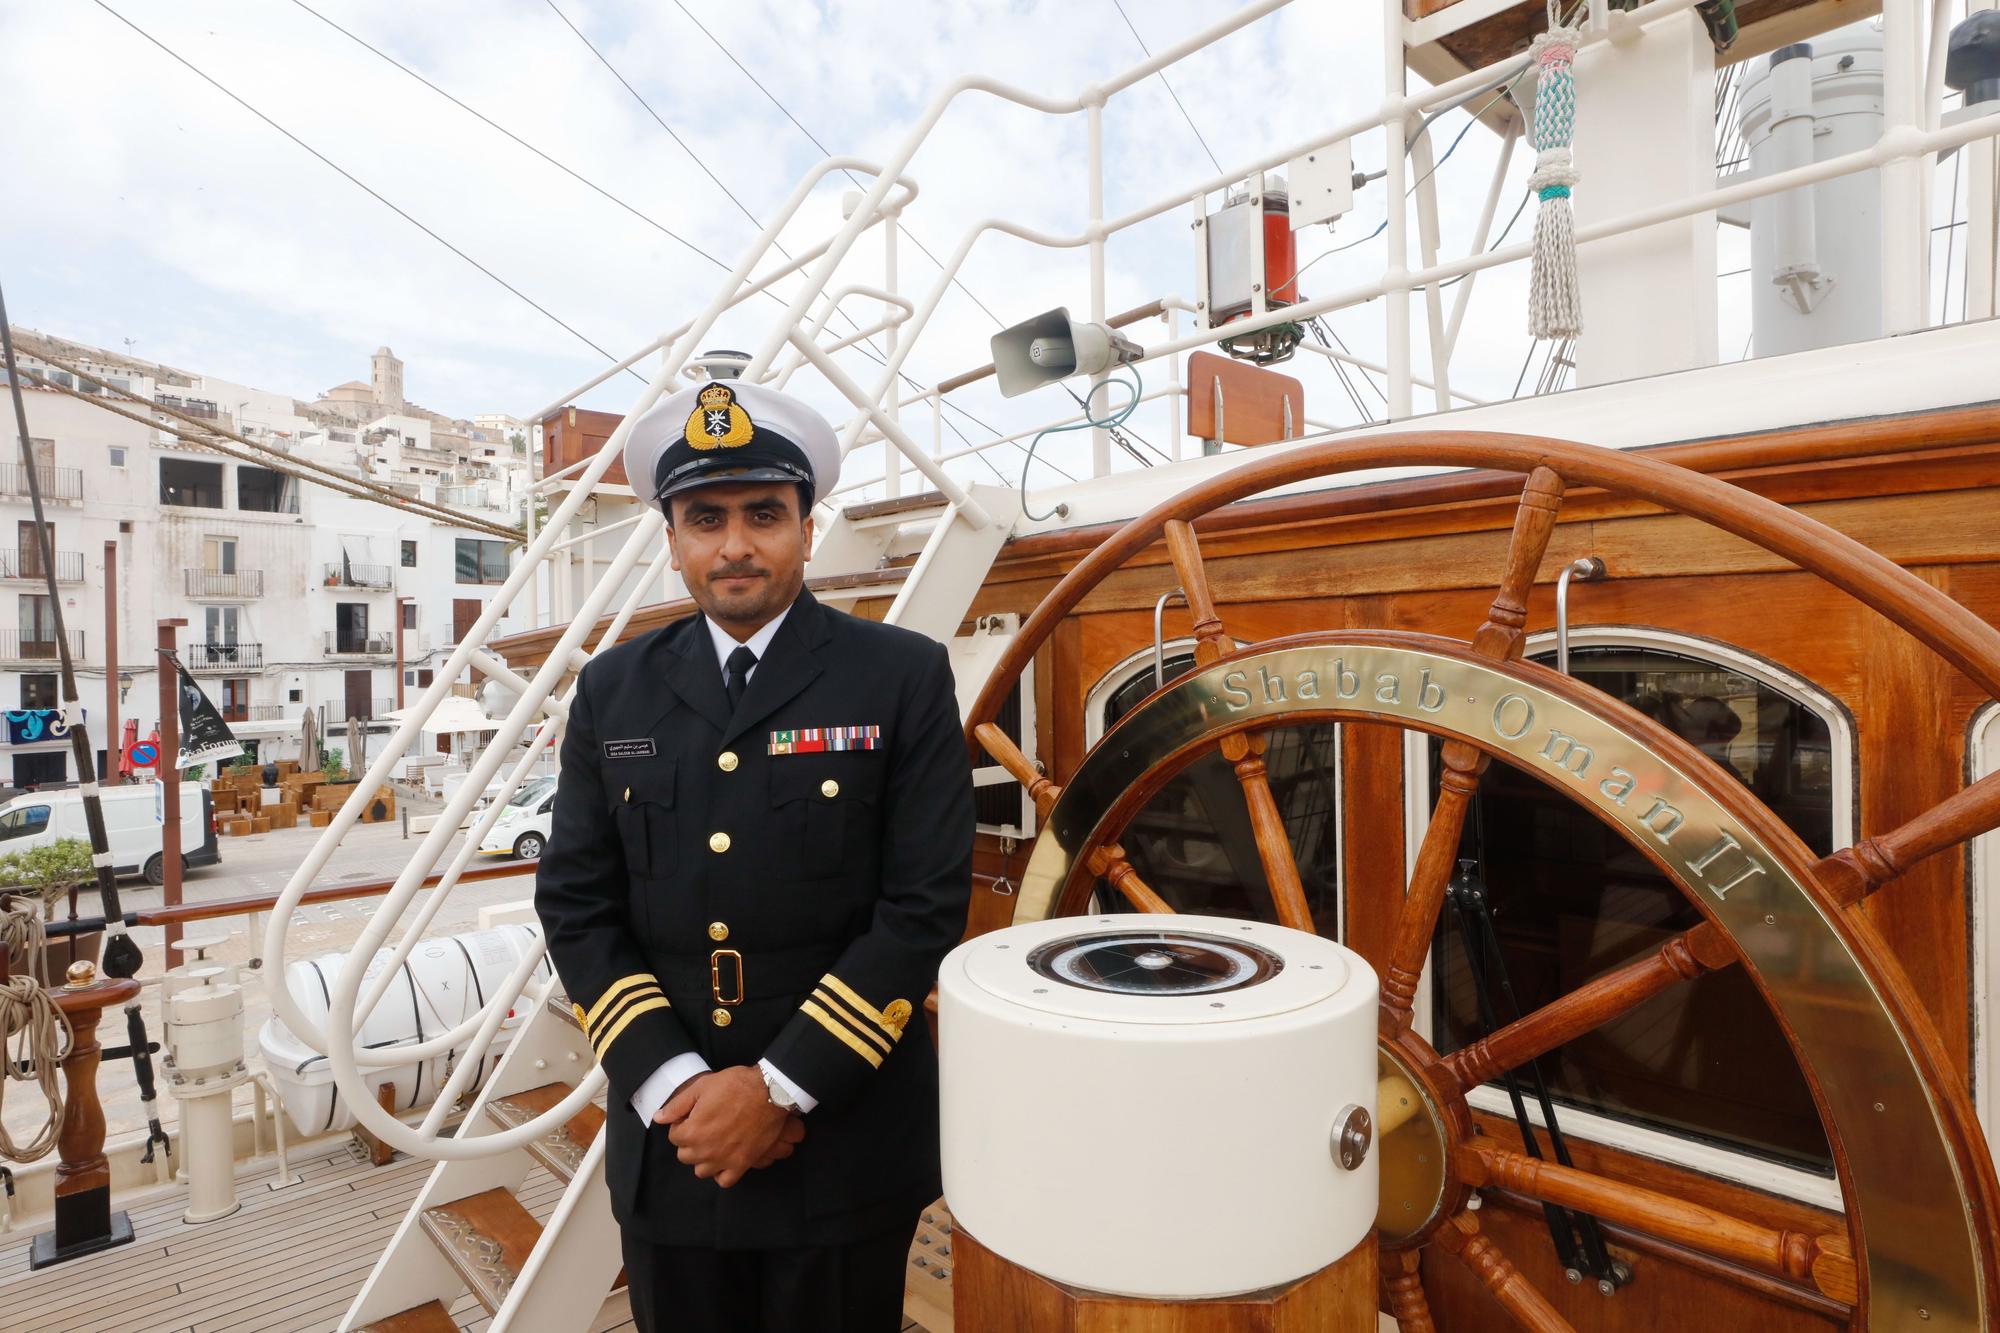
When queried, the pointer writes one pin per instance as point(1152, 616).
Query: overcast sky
point(146, 205)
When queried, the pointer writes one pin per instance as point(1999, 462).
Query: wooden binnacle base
point(994, 1295)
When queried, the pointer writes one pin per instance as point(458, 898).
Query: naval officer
point(761, 852)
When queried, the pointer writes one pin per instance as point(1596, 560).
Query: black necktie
point(739, 665)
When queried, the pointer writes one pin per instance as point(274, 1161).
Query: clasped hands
point(725, 1125)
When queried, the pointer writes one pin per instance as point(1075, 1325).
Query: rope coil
point(1555, 299)
point(27, 1012)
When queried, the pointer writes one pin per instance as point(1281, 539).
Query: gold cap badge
point(718, 420)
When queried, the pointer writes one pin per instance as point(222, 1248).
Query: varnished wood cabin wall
point(1424, 555)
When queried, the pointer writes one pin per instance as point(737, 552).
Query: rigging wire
point(814, 138)
point(607, 194)
point(580, 179)
point(362, 185)
point(866, 347)
point(1162, 76)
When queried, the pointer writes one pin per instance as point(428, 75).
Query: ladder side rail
point(545, 739)
point(577, 1254)
point(525, 571)
point(750, 289)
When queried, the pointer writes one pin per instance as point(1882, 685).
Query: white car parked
point(522, 830)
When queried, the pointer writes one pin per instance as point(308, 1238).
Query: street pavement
point(258, 865)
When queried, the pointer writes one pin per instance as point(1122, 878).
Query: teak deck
point(288, 1261)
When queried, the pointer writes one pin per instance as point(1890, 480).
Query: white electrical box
point(1322, 184)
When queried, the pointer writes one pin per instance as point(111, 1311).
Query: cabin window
point(1193, 844)
point(23, 820)
point(1570, 899)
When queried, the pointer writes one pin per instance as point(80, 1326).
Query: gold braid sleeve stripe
point(655, 1002)
point(834, 1006)
point(833, 1025)
point(616, 1011)
point(860, 1006)
point(615, 991)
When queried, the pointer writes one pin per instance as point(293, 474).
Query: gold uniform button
point(718, 842)
point(720, 1018)
point(726, 761)
point(628, 793)
point(718, 931)
point(829, 789)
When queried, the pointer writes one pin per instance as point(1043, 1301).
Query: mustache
point(736, 572)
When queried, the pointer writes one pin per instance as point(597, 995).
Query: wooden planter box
point(320, 818)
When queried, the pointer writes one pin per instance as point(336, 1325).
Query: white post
point(1905, 202)
point(1427, 247)
point(892, 469)
point(1982, 204)
point(1177, 405)
point(1396, 272)
point(1100, 441)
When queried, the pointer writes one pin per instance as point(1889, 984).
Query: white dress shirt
point(663, 1082)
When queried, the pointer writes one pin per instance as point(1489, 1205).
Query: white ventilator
point(1152, 1106)
point(203, 1067)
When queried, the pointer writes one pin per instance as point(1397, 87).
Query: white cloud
point(151, 207)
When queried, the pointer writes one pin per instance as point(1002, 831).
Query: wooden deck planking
point(288, 1261)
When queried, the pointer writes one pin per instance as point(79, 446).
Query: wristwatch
point(777, 1092)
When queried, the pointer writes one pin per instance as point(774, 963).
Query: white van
point(40, 818)
point(522, 830)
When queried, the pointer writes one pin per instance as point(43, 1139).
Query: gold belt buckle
point(715, 976)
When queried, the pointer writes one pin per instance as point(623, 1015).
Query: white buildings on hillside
point(293, 592)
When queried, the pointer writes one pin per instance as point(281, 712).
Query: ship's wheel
point(1917, 1183)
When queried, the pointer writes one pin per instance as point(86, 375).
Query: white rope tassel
point(1555, 300)
point(1555, 296)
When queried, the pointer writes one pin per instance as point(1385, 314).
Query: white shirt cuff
point(805, 1099)
point(660, 1085)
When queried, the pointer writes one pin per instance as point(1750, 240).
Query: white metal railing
point(1914, 132)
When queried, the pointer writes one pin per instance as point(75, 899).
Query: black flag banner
point(204, 735)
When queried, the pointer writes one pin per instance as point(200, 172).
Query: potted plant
point(51, 874)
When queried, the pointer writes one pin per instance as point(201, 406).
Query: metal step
point(561, 1150)
point(430, 1317)
point(486, 1237)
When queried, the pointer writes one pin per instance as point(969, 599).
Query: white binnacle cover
point(1164, 1145)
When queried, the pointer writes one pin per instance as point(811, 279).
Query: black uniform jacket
point(781, 881)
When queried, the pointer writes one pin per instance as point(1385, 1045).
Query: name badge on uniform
point(822, 740)
point(635, 749)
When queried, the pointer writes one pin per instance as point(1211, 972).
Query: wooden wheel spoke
point(1211, 642)
point(1411, 944)
point(1826, 1261)
point(1534, 523)
point(1407, 1305)
point(1500, 639)
point(1590, 1006)
point(1109, 862)
point(1021, 768)
point(1852, 873)
point(1274, 842)
point(1462, 1239)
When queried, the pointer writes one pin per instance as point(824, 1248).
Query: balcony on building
point(367, 710)
point(347, 574)
point(36, 645)
point(224, 656)
point(342, 644)
point(208, 585)
point(28, 565)
point(58, 485)
point(271, 712)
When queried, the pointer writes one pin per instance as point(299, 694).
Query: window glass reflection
point(1571, 900)
point(1193, 842)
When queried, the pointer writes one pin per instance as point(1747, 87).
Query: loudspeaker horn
point(1052, 347)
